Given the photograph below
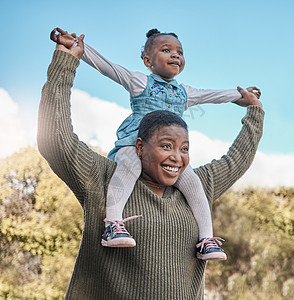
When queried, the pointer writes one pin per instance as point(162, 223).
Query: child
point(163, 55)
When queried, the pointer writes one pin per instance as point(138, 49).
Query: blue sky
point(226, 43)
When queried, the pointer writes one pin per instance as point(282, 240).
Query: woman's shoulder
point(101, 170)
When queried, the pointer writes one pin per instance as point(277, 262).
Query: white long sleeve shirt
point(135, 82)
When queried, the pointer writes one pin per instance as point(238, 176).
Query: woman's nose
point(175, 156)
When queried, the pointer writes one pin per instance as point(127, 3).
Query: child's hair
point(156, 120)
point(151, 35)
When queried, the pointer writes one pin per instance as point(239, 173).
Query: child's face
point(165, 59)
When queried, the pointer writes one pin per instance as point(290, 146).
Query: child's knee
point(127, 158)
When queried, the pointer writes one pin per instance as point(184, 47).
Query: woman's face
point(165, 156)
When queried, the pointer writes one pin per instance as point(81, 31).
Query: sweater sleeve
point(68, 157)
point(201, 96)
point(219, 175)
point(133, 82)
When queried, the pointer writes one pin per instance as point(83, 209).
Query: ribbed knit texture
point(163, 265)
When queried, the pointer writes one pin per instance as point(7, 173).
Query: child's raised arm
point(133, 82)
point(201, 96)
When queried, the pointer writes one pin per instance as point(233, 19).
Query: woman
point(164, 264)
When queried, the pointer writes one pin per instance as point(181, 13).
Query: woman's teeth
point(171, 169)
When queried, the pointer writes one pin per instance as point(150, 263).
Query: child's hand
point(63, 37)
point(248, 98)
point(254, 90)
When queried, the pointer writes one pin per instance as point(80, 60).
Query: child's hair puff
point(151, 35)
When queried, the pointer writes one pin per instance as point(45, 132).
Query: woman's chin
point(170, 178)
point(169, 181)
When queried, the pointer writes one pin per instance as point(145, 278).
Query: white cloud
point(96, 121)
point(203, 149)
point(12, 135)
point(267, 170)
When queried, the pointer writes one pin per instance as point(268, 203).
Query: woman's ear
point(139, 147)
point(147, 61)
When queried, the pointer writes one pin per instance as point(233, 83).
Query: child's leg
point(122, 182)
point(120, 187)
point(191, 187)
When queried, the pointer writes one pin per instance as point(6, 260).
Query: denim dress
point(158, 95)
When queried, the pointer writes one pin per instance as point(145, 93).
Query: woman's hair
point(151, 36)
point(156, 120)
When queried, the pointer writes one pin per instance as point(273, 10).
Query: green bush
point(40, 231)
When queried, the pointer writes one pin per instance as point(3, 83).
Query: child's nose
point(175, 54)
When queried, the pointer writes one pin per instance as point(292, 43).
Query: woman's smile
point(173, 171)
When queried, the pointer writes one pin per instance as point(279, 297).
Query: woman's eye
point(185, 149)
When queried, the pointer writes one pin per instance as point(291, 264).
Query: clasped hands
point(68, 42)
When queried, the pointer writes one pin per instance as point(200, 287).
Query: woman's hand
point(65, 41)
point(248, 98)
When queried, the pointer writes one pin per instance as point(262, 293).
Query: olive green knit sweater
point(163, 265)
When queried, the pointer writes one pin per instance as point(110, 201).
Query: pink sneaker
point(210, 249)
point(116, 235)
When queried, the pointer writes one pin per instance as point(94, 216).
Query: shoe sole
point(212, 256)
point(119, 242)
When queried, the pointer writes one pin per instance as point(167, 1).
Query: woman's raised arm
point(68, 157)
point(219, 175)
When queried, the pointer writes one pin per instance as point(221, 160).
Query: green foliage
point(40, 230)
point(41, 227)
point(258, 226)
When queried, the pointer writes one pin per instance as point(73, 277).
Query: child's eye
point(166, 146)
point(180, 53)
point(166, 50)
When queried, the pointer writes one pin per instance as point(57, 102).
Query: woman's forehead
point(170, 132)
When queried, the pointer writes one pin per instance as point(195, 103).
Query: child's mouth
point(174, 63)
